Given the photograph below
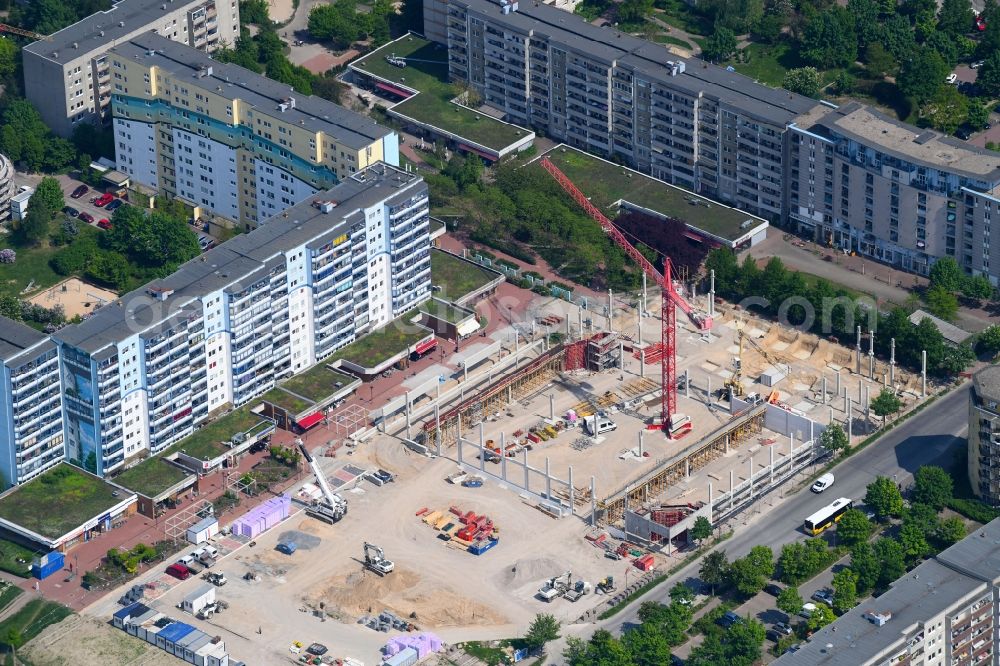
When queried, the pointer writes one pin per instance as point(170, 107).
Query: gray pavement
point(929, 438)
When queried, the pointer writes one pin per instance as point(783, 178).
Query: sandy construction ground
point(280, 11)
point(85, 640)
point(77, 297)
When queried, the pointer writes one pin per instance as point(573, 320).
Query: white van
point(822, 483)
point(595, 425)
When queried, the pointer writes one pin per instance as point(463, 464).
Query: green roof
point(288, 402)
point(318, 383)
point(445, 311)
point(61, 499)
point(456, 276)
point(151, 477)
point(605, 183)
point(427, 72)
point(210, 441)
point(378, 346)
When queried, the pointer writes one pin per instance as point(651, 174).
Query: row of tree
point(341, 23)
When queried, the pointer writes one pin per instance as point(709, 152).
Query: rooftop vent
point(164, 7)
point(101, 33)
point(286, 103)
point(676, 67)
point(121, 24)
point(326, 205)
point(878, 618)
point(160, 293)
point(151, 52)
point(204, 70)
point(508, 6)
point(76, 45)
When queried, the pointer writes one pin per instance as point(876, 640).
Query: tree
point(883, 497)
point(647, 646)
point(947, 110)
point(950, 531)
point(605, 650)
point(879, 61)
point(922, 74)
point(743, 642)
point(886, 403)
point(845, 590)
point(789, 600)
point(956, 359)
point(913, 540)
point(942, 303)
point(702, 529)
point(946, 273)
point(854, 527)
point(544, 628)
point(989, 75)
point(747, 576)
point(897, 37)
point(804, 81)
point(337, 22)
point(977, 286)
point(25, 138)
point(829, 39)
point(955, 17)
point(933, 486)
point(49, 194)
point(989, 340)
point(891, 559)
point(819, 618)
point(720, 45)
point(834, 439)
point(35, 225)
point(634, 11)
point(865, 565)
point(866, 20)
point(8, 58)
point(715, 569)
point(800, 560)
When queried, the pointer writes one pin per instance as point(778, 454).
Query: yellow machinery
point(734, 385)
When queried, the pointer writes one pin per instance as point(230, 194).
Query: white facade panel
point(206, 173)
point(135, 150)
point(277, 189)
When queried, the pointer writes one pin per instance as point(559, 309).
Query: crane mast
point(669, 295)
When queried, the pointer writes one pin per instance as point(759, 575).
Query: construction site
point(565, 459)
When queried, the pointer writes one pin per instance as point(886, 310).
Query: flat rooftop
point(60, 500)
point(607, 183)
point(16, 338)
point(427, 73)
point(237, 260)
point(211, 441)
point(456, 276)
point(949, 580)
point(315, 386)
point(151, 477)
point(86, 34)
point(376, 347)
point(987, 383)
point(921, 146)
point(256, 90)
point(608, 44)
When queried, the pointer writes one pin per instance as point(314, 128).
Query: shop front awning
point(426, 346)
point(309, 421)
point(406, 94)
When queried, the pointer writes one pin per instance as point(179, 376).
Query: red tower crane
point(670, 296)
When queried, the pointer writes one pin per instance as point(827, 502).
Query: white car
point(952, 78)
point(808, 608)
point(822, 483)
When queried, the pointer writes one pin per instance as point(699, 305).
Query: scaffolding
point(657, 481)
point(495, 397)
point(603, 352)
point(176, 526)
point(347, 421)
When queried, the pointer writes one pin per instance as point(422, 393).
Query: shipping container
point(203, 530)
point(405, 657)
point(47, 564)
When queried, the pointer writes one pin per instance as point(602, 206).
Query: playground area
point(78, 298)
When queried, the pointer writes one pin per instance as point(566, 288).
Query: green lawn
point(457, 277)
point(667, 39)
point(9, 593)
point(444, 311)
point(768, 64)
point(372, 349)
point(31, 264)
point(32, 619)
point(606, 183)
point(285, 400)
point(59, 500)
point(317, 383)
point(11, 552)
point(151, 477)
point(427, 72)
point(681, 15)
point(210, 441)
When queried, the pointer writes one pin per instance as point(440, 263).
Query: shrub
point(973, 509)
point(7, 256)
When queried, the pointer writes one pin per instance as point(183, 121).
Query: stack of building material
point(644, 563)
point(263, 518)
point(424, 643)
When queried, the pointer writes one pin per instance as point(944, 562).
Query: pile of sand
point(404, 593)
point(529, 571)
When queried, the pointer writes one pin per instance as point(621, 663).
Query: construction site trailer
point(771, 376)
point(405, 657)
point(198, 599)
point(203, 530)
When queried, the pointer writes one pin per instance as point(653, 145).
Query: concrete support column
point(711, 293)
point(751, 477)
point(857, 352)
point(642, 362)
point(572, 493)
point(548, 480)
point(639, 325)
point(458, 425)
point(731, 489)
point(621, 355)
point(849, 417)
point(641, 432)
point(824, 389)
point(923, 374)
point(525, 461)
point(482, 447)
point(593, 502)
point(437, 428)
point(552, 406)
point(687, 384)
point(644, 309)
point(611, 311)
point(838, 383)
point(770, 465)
point(871, 354)
point(465, 372)
point(708, 392)
point(503, 456)
point(687, 469)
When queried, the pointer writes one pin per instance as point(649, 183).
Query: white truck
point(597, 424)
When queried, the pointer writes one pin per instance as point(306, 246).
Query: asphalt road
point(929, 438)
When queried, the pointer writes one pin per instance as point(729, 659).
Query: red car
point(104, 200)
point(104, 224)
point(179, 571)
point(80, 191)
point(87, 217)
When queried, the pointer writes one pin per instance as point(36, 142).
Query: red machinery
point(670, 296)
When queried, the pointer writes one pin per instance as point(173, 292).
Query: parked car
point(964, 132)
point(823, 596)
point(728, 619)
point(773, 589)
point(87, 217)
point(179, 571)
point(104, 223)
point(317, 649)
point(779, 631)
point(79, 192)
point(104, 200)
point(951, 78)
point(114, 205)
point(72, 212)
point(386, 477)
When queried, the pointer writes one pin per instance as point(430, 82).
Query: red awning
point(310, 421)
point(426, 346)
point(393, 89)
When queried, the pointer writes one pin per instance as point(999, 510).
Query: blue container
point(481, 547)
point(47, 565)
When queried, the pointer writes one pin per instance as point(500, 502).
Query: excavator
point(375, 560)
point(555, 587)
point(734, 385)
